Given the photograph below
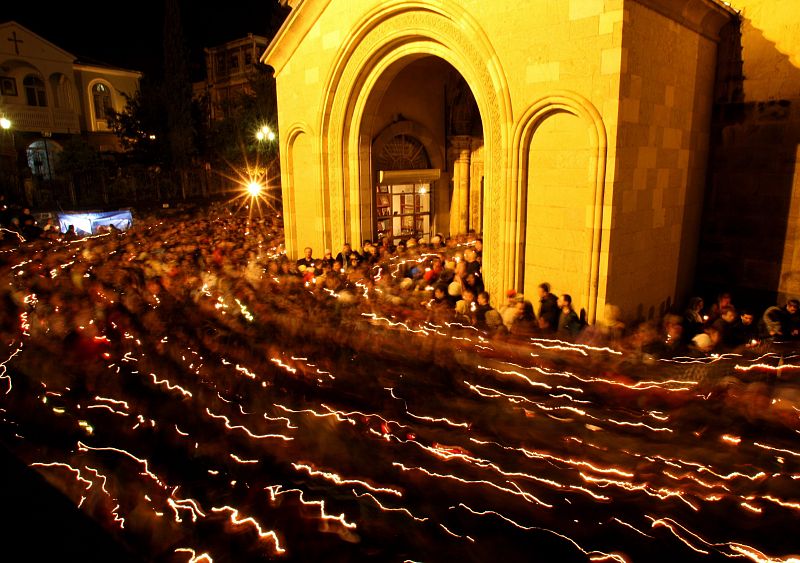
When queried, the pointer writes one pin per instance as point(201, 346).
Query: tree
point(233, 139)
point(142, 126)
point(177, 93)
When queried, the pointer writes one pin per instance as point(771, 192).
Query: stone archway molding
point(411, 129)
point(577, 105)
point(389, 37)
point(287, 164)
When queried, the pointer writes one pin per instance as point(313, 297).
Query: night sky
point(129, 34)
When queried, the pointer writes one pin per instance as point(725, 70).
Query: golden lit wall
point(665, 112)
point(597, 108)
point(559, 199)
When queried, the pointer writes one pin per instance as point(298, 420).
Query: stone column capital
point(462, 144)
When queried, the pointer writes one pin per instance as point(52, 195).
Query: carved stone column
point(476, 186)
point(460, 147)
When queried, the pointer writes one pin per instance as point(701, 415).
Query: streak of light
point(287, 367)
point(335, 478)
point(516, 492)
point(275, 491)
point(764, 446)
point(237, 459)
point(750, 507)
point(672, 527)
point(83, 447)
point(185, 504)
point(4, 368)
point(280, 419)
point(635, 529)
point(68, 467)
point(454, 534)
point(593, 555)
point(661, 493)
point(767, 367)
point(578, 346)
point(193, 557)
point(107, 408)
point(530, 381)
point(785, 504)
point(347, 415)
point(113, 401)
point(754, 555)
point(546, 456)
point(245, 371)
point(229, 426)
point(389, 508)
point(236, 520)
point(170, 386)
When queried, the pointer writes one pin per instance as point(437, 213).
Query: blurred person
point(569, 325)
point(693, 321)
point(549, 310)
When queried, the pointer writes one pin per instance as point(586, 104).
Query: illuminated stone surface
point(592, 129)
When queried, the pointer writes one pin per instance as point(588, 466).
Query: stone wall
point(665, 112)
point(752, 215)
point(634, 84)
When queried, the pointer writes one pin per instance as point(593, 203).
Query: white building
point(48, 95)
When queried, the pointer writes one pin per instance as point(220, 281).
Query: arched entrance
point(418, 131)
point(425, 125)
point(386, 41)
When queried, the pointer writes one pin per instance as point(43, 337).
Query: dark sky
point(129, 33)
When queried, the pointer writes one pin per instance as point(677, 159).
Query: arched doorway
point(418, 132)
point(42, 157)
point(387, 40)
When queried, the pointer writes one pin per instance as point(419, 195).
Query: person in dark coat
point(569, 325)
point(549, 311)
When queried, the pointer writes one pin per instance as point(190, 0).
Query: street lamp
point(5, 123)
point(264, 132)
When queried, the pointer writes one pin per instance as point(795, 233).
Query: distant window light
point(101, 99)
point(35, 93)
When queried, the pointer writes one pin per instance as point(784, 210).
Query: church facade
point(573, 135)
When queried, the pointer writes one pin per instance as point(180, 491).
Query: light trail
point(593, 555)
point(237, 520)
point(275, 491)
point(389, 508)
point(83, 447)
point(230, 426)
point(516, 492)
point(339, 480)
point(4, 368)
point(194, 557)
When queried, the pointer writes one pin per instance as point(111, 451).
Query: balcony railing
point(34, 119)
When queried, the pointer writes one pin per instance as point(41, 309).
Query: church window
point(101, 98)
point(8, 86)
point(34, 91)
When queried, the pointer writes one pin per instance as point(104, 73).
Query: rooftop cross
point(16, 41)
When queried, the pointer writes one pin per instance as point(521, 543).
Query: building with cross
point(48, 95)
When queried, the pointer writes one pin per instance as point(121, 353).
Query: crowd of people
point(440, 281)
